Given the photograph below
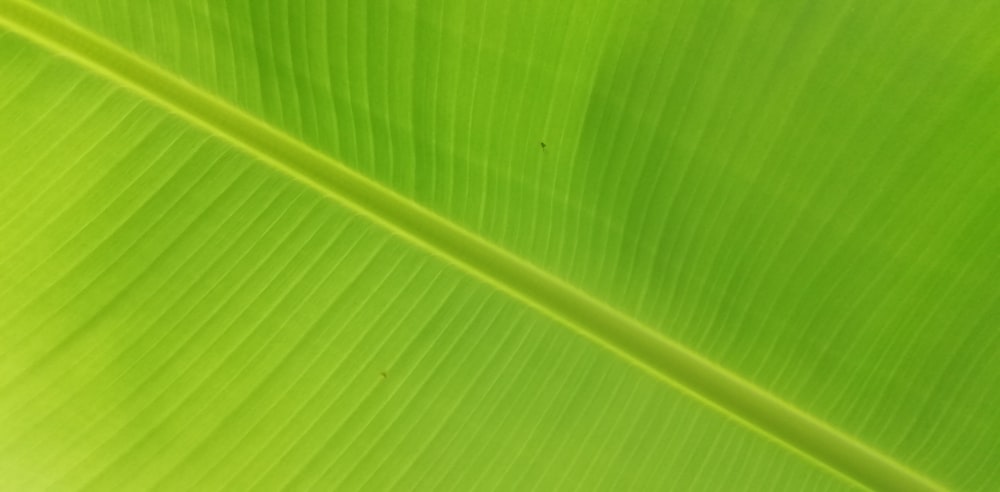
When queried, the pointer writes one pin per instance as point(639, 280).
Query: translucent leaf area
point(806, 194)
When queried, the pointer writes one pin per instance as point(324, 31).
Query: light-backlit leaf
point(805, 193)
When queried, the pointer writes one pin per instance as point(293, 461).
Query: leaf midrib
point(615, 331)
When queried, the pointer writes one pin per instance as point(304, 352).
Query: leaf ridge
point(595, 320)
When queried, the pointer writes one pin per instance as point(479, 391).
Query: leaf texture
point(806, 195)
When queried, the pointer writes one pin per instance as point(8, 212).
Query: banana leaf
point(499, 245)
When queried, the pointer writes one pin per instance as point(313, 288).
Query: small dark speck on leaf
point(383, 374)
point(543, 145)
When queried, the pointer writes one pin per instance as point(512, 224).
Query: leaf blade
point(766, 232)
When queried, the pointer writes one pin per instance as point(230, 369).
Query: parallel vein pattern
point(178, 316)
point(595, 320)
point(804, 192)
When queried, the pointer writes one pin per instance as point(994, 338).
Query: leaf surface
point(807, 196)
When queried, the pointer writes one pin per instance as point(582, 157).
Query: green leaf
point(354, 245)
